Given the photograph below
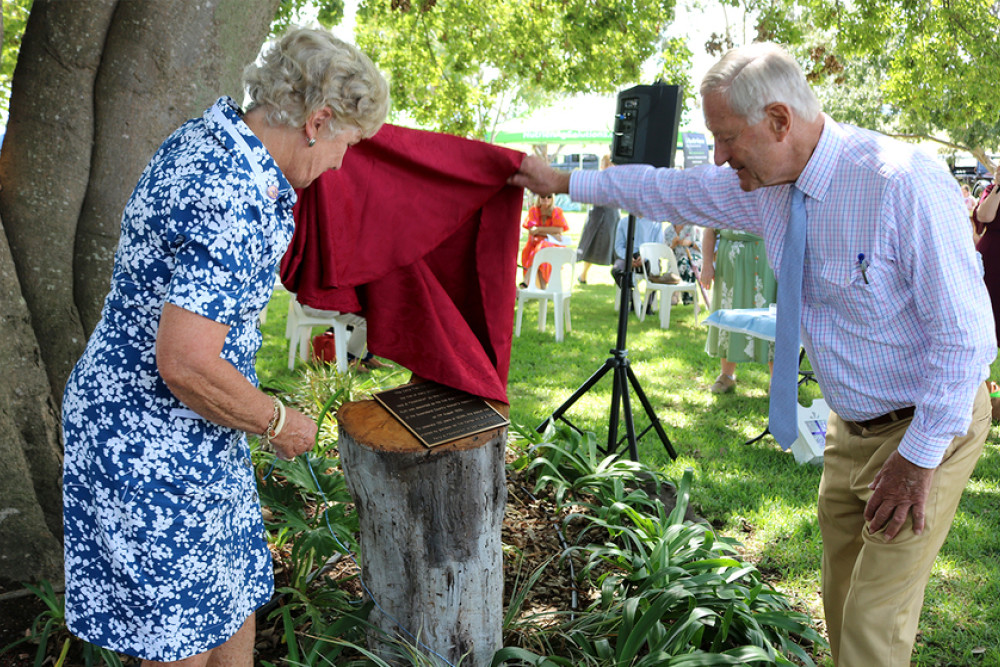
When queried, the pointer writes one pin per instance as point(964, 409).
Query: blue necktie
point(783, 411)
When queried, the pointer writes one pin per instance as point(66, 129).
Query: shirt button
point(248, 463)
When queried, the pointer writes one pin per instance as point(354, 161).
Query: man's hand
point(539, 177)
point(636, 262)
point(900, 487)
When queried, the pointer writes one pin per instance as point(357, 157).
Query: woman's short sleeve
point(214, 247)
point(559, 219)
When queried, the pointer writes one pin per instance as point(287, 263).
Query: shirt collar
point(224, 120)
point(816, 178)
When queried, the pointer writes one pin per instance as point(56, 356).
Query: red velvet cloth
point(417, 231)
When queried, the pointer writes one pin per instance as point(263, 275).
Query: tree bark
point(137, 70)
point(45, 165)
point(163, 62)
point(430, 534)
point(30, 496)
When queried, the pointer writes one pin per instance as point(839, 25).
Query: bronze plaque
point(437, 414)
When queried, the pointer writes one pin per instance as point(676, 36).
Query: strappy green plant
point(49, 629)
point(671, 591)
point(570, 464)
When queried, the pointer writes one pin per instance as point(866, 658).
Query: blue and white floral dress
point(166, 555)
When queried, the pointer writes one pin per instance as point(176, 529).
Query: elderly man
point(893, 313)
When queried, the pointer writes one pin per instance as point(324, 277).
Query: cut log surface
point(430, 533)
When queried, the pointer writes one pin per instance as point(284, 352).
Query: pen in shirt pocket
point(863, 265)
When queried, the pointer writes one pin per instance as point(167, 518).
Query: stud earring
point(312, 142)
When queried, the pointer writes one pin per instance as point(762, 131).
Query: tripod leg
point(654, 420)
point(622, 373)
point(617, 389)
point(584, 388)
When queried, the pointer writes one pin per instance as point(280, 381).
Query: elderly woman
point(166, 557)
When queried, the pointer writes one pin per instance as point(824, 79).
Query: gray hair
point(754, 76)
point(310, 69)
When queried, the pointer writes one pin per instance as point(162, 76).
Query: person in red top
point(545, 224)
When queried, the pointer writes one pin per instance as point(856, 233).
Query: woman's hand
point(188, 357)
point(707, 275)
point(297, 436)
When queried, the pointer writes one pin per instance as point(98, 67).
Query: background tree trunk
point(45, 164)
point(30, 495)
point(430, 533)
point(117, 76)
point(163, 62)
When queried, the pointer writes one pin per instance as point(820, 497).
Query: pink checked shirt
point(919, 332)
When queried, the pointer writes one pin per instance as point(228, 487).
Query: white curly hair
point(309, 69)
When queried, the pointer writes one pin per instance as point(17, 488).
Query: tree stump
point(430, 533)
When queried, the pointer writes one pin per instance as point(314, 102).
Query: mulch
point(533, 534)
point(16, 617)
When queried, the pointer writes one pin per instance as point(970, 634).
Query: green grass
point(755, 493)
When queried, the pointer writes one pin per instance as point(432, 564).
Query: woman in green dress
point(743, 279)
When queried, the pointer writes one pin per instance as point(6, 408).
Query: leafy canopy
point(329, 13)
point(906, 67)
point(15, 18)
point(461, 66)
point(909, 67)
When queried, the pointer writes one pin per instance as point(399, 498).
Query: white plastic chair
point(652, 254)
point(298, 331)
point(559, 289)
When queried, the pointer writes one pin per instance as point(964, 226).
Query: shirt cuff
point(923, 450)
point(581, 185)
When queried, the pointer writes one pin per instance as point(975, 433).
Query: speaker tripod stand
point(622, 378)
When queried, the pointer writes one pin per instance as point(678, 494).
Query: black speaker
point(646, 125)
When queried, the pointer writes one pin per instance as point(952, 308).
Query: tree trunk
point(147, 86)
point(134, 70)
point(45, 165)
point(30, 495)
point(430, 533)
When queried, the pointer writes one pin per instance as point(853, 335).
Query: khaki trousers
point(872, 589)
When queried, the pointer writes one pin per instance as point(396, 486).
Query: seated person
point(685, 240)
point(358, 356)
point(646, 231)
point(545, 224)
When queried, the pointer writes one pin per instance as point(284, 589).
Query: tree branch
point(977, 151)
point(938, 140)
